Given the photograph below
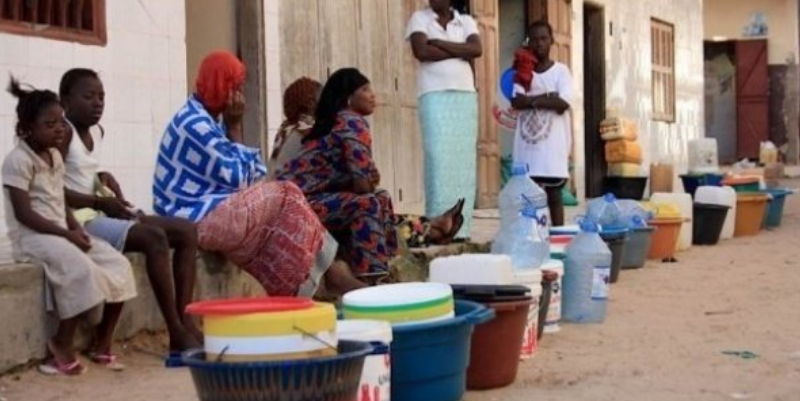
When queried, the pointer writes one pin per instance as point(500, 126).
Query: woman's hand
point(79, 238)
point(233, 115)
point(108, 180)
point(375, 177)
point(115, 208)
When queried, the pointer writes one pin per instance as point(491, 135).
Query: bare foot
point(191, 327)
point(183, 341)
point(63, 354)
point(339, 280)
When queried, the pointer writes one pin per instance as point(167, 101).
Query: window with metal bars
point(663, 61)
point(82, 21)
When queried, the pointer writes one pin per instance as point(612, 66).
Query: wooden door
point(376, 61)
point(752, 97)
point(486, 74)
point(339, 21)
point(409, 160)
point(301, 51)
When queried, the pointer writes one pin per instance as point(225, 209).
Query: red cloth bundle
point(524, 62)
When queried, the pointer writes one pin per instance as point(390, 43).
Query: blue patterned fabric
point(198, 167)
point(449, 122)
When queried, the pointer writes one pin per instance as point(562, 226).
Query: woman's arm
point(424, 51)
point(548, 101)
point(472, 49)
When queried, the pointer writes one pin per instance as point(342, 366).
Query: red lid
point(244, 306)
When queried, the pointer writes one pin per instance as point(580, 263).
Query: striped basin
point(401, 303)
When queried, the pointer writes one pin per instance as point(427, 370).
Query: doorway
point(595, 97)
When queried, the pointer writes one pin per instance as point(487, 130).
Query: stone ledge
point(26, 326)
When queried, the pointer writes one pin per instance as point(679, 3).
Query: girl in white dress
point(82, 272)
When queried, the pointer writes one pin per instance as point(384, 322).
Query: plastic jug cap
point(610, 198)
point(528, 211)
point(588, 225)
point(519, 169)
point(638, 222)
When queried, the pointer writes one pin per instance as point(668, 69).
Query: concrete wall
point(728, 18)
point(143, 67)
point(629, 79)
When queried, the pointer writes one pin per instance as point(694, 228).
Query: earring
point(350, 102)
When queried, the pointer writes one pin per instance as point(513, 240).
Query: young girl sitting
point(82, 272)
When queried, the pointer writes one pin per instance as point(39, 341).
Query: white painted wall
point(728, 18)
point(629, 81)
point(273, 62)
point(143, 67)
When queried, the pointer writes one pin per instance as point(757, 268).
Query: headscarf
point(335, 95)
point(220, 74)
point(299, 104)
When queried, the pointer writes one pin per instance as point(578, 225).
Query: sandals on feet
point(110, 361)
point(55, 368)
point(447, 237)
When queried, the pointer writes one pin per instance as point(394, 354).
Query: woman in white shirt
point(543, 139)
point(445, 40)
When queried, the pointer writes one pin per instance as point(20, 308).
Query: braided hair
point(300, 98)
point(31, 102)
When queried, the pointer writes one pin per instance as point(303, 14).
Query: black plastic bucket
point(616, 241)
point(708, 223)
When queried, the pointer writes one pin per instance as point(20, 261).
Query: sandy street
point(664, 338)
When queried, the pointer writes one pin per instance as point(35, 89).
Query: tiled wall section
point(628, 74)
point(143, 68)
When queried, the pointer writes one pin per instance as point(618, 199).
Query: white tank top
point(81, 165)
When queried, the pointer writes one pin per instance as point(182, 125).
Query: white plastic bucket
point(703, 157)
point(553, 320)
point(376, 377)
point(530, 342)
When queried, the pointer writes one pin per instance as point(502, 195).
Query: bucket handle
point(479, 316)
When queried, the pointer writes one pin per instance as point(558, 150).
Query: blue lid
point(588, 225)
point(529, 211)
point(519, 169)
point(610, 198)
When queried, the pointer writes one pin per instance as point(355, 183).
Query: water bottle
point(587, 277)
point(523, 241)
point(517, 193)
point(605, 211)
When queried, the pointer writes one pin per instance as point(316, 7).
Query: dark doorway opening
point(594, 85)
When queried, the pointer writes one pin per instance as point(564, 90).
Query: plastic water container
point(604, 211)
point(685, 203)
point(513, 197)
point(703, 157)
point(722, 196)
point(376, 376)
point(587, 277)
point(523, 241)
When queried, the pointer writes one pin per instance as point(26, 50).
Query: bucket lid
point(528, 277)
point(242, 306)
point(555, 265)
point(364, 330)
point(492, 293)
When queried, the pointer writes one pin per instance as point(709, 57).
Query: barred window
point(663, 59)
point(82, 21)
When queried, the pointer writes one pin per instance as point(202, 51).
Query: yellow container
point(237, 334)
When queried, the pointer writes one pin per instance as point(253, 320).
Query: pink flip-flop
point(54, 368)
point(110, 361)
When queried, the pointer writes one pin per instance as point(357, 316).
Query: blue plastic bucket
point(429, 361)
point(774, 215)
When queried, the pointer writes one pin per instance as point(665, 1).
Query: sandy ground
point(664, 338)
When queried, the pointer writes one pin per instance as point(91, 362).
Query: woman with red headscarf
point(206, 174)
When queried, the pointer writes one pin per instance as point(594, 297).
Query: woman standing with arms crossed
point(445, 40)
